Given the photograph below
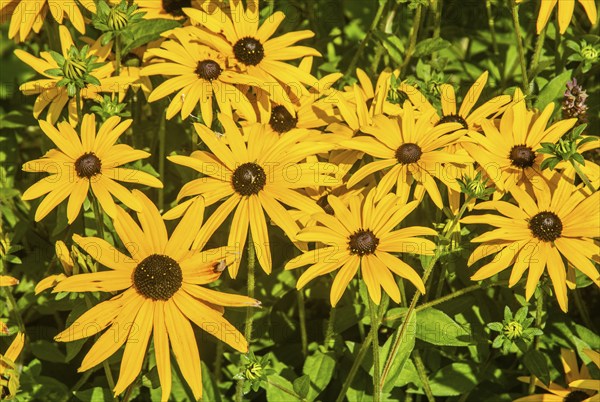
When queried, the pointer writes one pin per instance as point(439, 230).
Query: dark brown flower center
point(157, 277)
point(362, 242)
point(281, 120)
point(546, 226)
point(174, 7)
point(208, 70)
point(249, 51)
point(324, 203)
point(88, 165)
point(408, 153)
point(522, 156)
point(453, 118)
point(249, 178)
point(576, 396)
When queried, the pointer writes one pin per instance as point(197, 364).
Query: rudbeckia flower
point(199, 76)
point(537, 233)
point(159, 292)
point(90, 162)
point(363, 236)
point(253, 178)
point(565, 12)
point(236, 34)
point(28, 15)
point(581, 387)
point(166, 9)
point(507, 153)
point(413, 150)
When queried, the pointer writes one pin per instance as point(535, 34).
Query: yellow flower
point(159, 293)
point(363, 236)
point(565, 12)
point(534, 235)
point(201, 75)
point(92, 161)
point(254, 178)
point(55, 98)
point(28, 15)
point(581, 387)
point(9, 376)
point(508, 153)
point(411, 147)
point(236, 34)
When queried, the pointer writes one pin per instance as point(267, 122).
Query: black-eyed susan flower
point(564, 13)
point(28, 15)
point(466, 115)
point(9, 375)
point(412, 149)
point(92, 161)
point(6, 280)
point(362, 236)
point(537, 233)
point(54, 94)
point(236, 34)
point(507, 152)
point(581, 387)
point(159, 293)
point(200, 75)
point(252, 178)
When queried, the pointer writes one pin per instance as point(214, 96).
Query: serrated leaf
point(429, 46)
point(552, 90)
point(146, 31)
point(279, 389)
point(302, 386)
point(436, 327)
point(319, 367)
point(536, 363)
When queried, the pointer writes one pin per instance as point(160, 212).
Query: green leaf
point(454, 379)
point(96, 394)
point(536, 363)
point(210, 392)
point(495, 326)
point(392, 44)
point(436, 327)
point(407, 345)
point(302, 386)
point(279, 389)
point(319, 367)
point(552, 90)
point(47, 351)
point(429, 46)
point(146, 31)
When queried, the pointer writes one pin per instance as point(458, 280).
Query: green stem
point(117, 55)
point(517, 26)
point(99, 217)
point(239, 394)
point(423, 375)
point(375, 346)
point(539, 312)
point(330, 328)
point(399, 336)
point(218, 362)
point(582, 176)
point(302, 317)
point(78, 102)
point(161, 159)
point(585, 315)
point(537, 52)
point(360, 356)
point(366, 39)
point(492, 25)
point(414, 33)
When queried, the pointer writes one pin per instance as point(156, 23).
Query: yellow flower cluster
point(337, 170)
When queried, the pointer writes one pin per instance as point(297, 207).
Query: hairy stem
point(414, 34)
point(515, 16)
point(375, 346)
point(539, 312)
